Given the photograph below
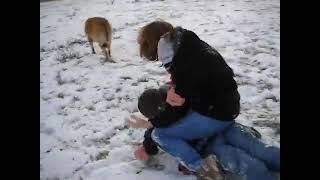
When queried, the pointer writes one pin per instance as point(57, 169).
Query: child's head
point(151, 102)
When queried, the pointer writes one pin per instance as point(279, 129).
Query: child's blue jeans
point(241, 153)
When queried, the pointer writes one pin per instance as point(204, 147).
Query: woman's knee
point(158, 135)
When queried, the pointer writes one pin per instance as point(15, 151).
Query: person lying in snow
point(239, 151)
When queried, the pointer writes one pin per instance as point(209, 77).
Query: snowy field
point(85, 102)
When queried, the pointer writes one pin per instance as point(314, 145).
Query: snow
point(86, 102)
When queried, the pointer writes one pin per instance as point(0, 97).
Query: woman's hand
point(174, 99)
point(137, 122)
point(141, 154)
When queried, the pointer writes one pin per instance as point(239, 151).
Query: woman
point(203, 81)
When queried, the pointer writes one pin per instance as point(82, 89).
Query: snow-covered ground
point(85, 102)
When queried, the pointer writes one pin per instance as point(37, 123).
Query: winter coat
point(202, 76)
point(170, 114)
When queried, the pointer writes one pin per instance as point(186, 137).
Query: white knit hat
point(165, 51)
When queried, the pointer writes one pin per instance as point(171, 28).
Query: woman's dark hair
point(149, 36)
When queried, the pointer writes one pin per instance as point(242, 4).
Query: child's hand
point(137, 122)
point(141, 154)
point(174, 99)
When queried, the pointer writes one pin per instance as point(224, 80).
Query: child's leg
point(174, 139)
point(237, 136)
point(237, 162)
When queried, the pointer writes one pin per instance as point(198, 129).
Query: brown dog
point(99, 30)
point(149, 36)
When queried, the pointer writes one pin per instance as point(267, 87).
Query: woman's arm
point(174, 99)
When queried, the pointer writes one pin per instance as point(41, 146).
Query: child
point(152, 104)
point(233, 153)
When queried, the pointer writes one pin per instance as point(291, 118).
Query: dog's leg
point(106, 52)
point(109, 50)
point(110, 59)
point(91, 44)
